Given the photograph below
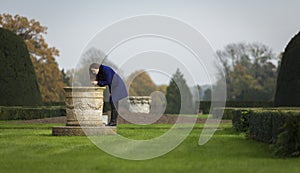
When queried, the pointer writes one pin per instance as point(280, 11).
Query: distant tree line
point(250, 71)
point(250, 68)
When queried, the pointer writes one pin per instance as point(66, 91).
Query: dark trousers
point(114, 112)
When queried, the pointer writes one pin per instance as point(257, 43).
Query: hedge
point(54, 104)
point(279, 127)
point(233, 113)
point(27, 113)
point(288, 142)
point(205, 105)
point(240, 119)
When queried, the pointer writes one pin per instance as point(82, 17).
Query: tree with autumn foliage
point(250, 72)
point(42, 55)
point(162, 88)
point(140, 84)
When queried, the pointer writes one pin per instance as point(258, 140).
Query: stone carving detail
point(84, 106)
point(139, 104)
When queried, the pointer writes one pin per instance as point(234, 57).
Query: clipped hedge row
point(265, 125)
point(279, 127)
point(204, 106)
point(240, 119)
point(27, 113)
point(288, 142)
point(231, 113)
point(54, 104)
point(250, 104)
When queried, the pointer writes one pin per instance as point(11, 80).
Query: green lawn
point(31, 148)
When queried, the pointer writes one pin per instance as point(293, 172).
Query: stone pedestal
point(84, 113)
point(139, 104)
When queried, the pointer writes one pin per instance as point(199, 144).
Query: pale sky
point(72, 23)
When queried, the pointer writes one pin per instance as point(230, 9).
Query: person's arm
point(108, 78)
point(102, 83)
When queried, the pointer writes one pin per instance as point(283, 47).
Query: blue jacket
point(117, 88)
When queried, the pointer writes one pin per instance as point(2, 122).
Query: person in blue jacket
point(105, 76)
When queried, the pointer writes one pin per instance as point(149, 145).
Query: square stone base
point(83, 131)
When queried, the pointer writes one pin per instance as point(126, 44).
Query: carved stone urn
point(84, 107)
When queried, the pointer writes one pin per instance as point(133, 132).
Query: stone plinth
point(139, 104)
point(82, 131)
point(84, 113)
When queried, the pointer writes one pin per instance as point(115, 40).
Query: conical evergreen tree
point(288, 81)
point(179, 97)
point(18, 83)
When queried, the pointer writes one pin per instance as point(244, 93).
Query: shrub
point(227, 113)
point(205, 105)
point(279, 127)
point(54, 104)
point(240, 119)
point(27, 113)
point(288, 140)
point(261, 126)
point(249, 104)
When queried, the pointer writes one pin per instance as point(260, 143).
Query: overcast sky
point(72, 23)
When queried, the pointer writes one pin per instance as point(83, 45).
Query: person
point(102, 75)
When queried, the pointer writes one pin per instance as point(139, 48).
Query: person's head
point(93, 70)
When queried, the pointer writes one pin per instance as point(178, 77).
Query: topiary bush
point(204, 106)
point(279, 127)
point(240, 119)
point(288, 81)
point(19, 86)
point(28, 113)
point(288, 135)
point(264, 125)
